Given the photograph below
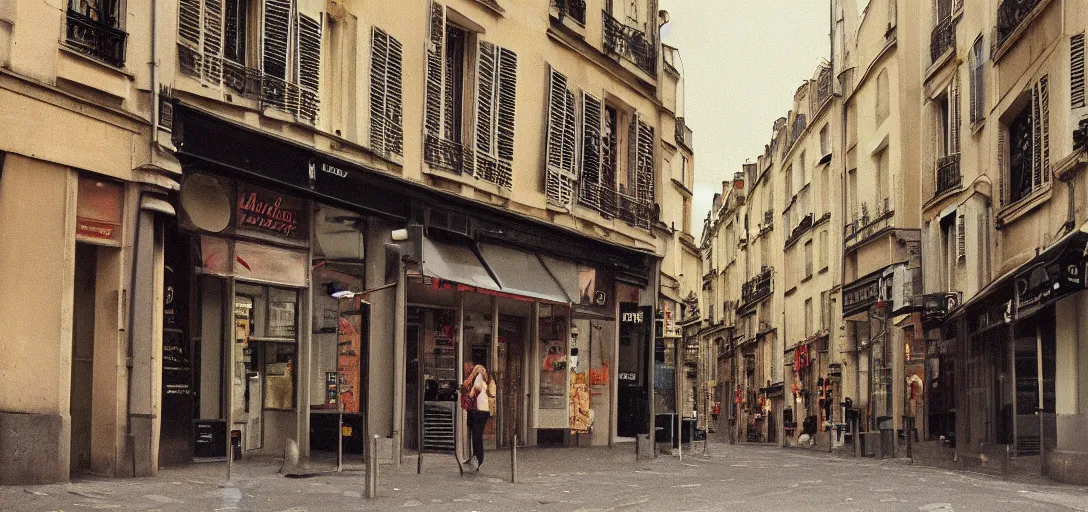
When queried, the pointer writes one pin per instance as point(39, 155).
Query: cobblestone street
point(745, 478)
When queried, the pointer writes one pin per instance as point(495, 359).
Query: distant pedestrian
point(479, 387)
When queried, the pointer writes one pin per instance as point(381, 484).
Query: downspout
point(130, 349)
point(154, 68)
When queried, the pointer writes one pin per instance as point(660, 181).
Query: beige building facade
point(228, 225)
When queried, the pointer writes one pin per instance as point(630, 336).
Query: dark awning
point(456, 264)
point(522, 273)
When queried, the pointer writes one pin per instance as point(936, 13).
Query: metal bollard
point(372, 469)
point(855, 436)
point(514, 460)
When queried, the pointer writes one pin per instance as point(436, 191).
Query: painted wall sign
point(98, 211)
point(270, 212)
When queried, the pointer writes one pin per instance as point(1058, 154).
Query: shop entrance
point(83, 319)
point(509, 374)
point(632, 414)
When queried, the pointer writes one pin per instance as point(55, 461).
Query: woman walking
point(476, 387)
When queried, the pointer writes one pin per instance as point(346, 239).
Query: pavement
point(727, 477)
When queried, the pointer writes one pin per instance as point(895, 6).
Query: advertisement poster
point(580, 417)
point(347, 364)
point(553, 374)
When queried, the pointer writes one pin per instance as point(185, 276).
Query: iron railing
point(683, 134)
point(759, 287)
point(1010, 14)
point(823, 88)
point(943, 38)
point(446, 154)
point(611, 203)
point(948, 173)
point(96, 36)
point(630, 43)
point(860, 230)
point(575, 9)
point(802, 227)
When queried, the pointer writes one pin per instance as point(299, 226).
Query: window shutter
point(632, 156)
point(558, 176)
point(496, 104)
point(591, 150)
point(277, 34)
point(1076, 70)
point(485, 97)
point(189, 23)
point(507, 108)
point(386, 132)
point(1002, 169)
point(309, 66)
point(435, 70)
point(645, 183)
point(955, 99)
point(961, 238)
point(1044, 114)
point(213, 42)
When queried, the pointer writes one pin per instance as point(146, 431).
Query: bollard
point(910, 438)
point(514, 460)
point(855, 435)
point(372, 469)
point(638, 444)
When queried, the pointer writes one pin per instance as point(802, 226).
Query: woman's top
point(479, 387)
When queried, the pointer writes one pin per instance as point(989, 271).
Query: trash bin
point(236, 444)
point(886, 425)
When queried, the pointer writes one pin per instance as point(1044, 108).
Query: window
point(386, 130)
point(808, 317)
point(948, 120)
point(213, 47)
point(235, 30)
point(880, 177)
point(825, 311)
point(824, 249)
point(825, 140)
point(94, 28)
point(808, 259)
point(852, 193)
point(684, 169)
point(948, 252)
point(560, 171)
point(825, 190)
point(978, 85)
point(1029, 145)
point(801, 172)
point(789, 183)
point(1076, 70)
point(883, 108)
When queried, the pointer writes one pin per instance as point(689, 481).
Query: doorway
point(83, 319)
point(509, 376)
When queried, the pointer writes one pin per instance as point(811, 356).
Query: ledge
point(1015, 211)
point(1018, 34)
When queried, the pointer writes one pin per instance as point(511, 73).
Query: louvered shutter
point(379, 62)
point(189, 34)
point(386, 130)
point(275, 40)
point(1002, 167)
point(212, 44)
point(645, 183)
point(496, 104)
point(961, 238)
point(954, 136)
point(1044, 126)
point(485, 97)
point(632, 155)
point(309, 66)
point(506, 109)
point(559, 163)
point(435, 70)
point(1076, 70)
point(590, 181)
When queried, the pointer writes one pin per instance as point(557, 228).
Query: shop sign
point(1046, 283)
point(270, 212)
point(99, 211)
point(858, 299)
point(632, 317)
point(996, 315)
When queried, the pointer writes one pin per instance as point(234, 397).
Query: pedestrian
point(479, 388)
point(468, 403)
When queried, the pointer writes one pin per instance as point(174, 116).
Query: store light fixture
point(338, 291)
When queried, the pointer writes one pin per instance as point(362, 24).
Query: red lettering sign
point(95, 229)
point(269, 212)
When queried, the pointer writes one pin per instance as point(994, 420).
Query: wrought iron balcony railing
point(683, 133)
point(446, 154)
point(758, 288)
point(575, 9)
point(943, 38)
point(948, 173)
point(96, 36)
point(823, 88)
point(611, 203)
point(1010, 14)
point(865, 228)
point(630, 43)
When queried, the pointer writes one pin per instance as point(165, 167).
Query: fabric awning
point(566, 274)
point(455, 263)
point(522, 273)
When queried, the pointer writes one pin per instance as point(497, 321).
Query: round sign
point(206, 202)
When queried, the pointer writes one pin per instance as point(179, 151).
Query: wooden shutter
point(506, 109)
point(496, 103)
point(954, 136)
point(386, 131)
point(1002, 166)
point(1076, 70)
point(435, 70)
point(645, 177)
point(212, 44)
point(189, 23)
point(592, 117)
point(275, 40)
point(309, 66)
point(485, 97)
point(1040, 126)
point(961, 238)
point(557, 182)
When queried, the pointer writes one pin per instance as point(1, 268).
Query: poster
point(553, 374)
point(580, 416)
point(347, 364)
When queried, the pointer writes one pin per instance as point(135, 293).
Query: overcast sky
point(742, 62)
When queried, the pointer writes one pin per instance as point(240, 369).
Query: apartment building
point(1004, 106)
point(300, 213)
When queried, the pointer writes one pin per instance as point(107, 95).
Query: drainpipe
point(130, 435)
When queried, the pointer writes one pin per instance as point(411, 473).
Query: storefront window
point(266, 348)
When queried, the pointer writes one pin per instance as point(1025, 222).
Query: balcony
point(823, 89)
point(861, 230)
point(95, 34)
point(1010, 14)
point(444, 154)
point(943, 39)
point(683, 134)
point(948, 173)
point(630, 43)
point(802, 227)
point(758, 288)
point(573, 9)
point(614, 204)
